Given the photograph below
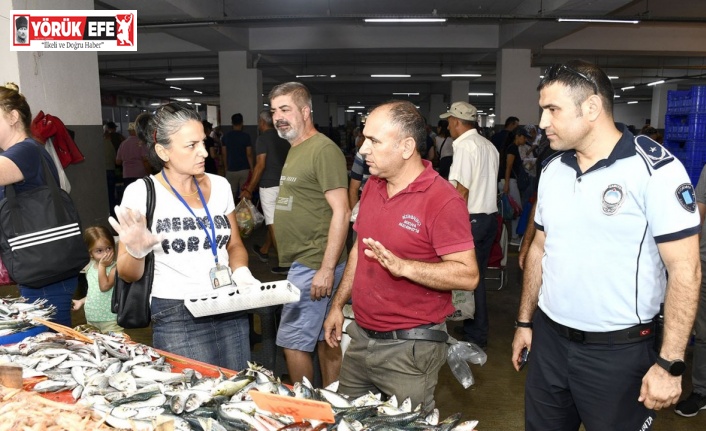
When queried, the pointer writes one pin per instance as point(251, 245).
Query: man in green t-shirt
point(311, 224)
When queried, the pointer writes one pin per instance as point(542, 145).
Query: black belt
point(421, 332)
point(634, 334)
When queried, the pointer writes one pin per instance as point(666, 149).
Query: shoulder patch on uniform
point(655, 154)
point(686, 197)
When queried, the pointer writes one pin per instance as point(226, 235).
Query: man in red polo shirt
point(413, 248)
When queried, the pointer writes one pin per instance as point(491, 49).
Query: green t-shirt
point(302, 214)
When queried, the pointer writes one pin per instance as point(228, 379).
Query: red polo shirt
point(425, 221)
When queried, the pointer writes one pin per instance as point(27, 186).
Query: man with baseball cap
point(474, 173)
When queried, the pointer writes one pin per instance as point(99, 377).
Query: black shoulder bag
point(131, 301)
point(40, 234)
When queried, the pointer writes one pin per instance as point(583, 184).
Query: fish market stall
point(96, 380)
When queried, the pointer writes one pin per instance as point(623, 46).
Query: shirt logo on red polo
point(411, 223)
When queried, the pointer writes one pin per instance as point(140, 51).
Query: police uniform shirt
point(601, 269)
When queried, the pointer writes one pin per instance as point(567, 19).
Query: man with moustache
point(310, 224)
point(414, 247)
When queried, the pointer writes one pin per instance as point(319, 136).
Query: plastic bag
point(244, 218)
point(5, 278)
point(461, 352)
point(465, 304)
point(257, 216)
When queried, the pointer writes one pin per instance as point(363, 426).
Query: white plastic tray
point(229, 299)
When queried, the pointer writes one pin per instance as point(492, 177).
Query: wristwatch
point(675, 367)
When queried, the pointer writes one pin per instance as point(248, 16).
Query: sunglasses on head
point(555, 70)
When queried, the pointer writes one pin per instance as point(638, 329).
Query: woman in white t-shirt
point(194, 238)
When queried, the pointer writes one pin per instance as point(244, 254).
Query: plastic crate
point(698, 99)
point(676, 127)
point(696, 124)
point(694, 172)
point(678, 101)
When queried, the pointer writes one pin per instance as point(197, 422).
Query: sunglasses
point(555, 70)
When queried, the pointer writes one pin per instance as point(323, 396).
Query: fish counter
point(103, 381)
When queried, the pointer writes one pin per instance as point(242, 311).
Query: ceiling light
point(186, 78)
point(480, 94)
point(605, 21)
point(155, 104)
point(390, 76)
point(613, 77)
point(491, 115)
point(183, 99)
point(333, 76)
point(457, 75)
point(198, 92)
point(405, 20)
point(650, 84)
point(632, 102)
point(197, 104)
point(305, 76)
point(615, 96)
point(627, 88)
point(405, 94)
point(265, 104)
point(356, 107)
point(349, 110)
point(176, 88)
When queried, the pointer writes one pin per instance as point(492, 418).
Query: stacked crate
point(685, 128)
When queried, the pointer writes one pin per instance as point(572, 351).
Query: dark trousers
point(484, 228)
point(598, 384)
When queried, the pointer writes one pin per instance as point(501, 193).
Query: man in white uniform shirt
point(474, 173)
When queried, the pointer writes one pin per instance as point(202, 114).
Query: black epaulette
point(549, 159)
point(654, 154)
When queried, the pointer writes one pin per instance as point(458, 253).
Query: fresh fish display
point(132, 386)
point(16, 314)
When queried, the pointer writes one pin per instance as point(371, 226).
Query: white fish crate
point(229, 299)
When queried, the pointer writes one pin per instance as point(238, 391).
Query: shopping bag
point(244, 218)
point(465, 304)
point(257, 216)
point(505, 207)
point(5, 278)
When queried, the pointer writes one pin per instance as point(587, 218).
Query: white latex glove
point(243, 277)
point(132, 228)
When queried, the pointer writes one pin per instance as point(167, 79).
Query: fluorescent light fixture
point(356, 107)
point(333, 76)
point(458, 75)
point(314, 76)
point(305, 76)
point(266, 104)
point(390, 76)
point(197, 104)
point(627, 88)
point(176, 88)
point(480, 94)
point(491, 115)
point(613, 77)
point(155, 104)
point(632, 102)
point(405, 20)
point(349, 110)
point(615, 96)
point(186, 78)
point(650, 84)
point(198, 92)
point(183, 99)
point(604, 21)
point(405, 94)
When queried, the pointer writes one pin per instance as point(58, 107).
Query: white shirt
point(475, 167)
point(184, 258)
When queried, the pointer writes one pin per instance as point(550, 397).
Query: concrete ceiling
point(285, 38)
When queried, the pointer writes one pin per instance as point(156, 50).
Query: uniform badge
point(655, 154)
point(613, 197)
point(686, 197)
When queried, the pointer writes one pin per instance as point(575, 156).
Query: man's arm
point(322, 284)
point(531, 282)
point(256, 175)
point(248, 153)
point(353, 188)
point(681, 258)
point(528, 237)
point(333, 326)
point(456, 271)
point(463, 191)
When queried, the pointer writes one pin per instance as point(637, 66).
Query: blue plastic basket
point(19, 336)
point(696, 124)
point(676, 127)
point(698, 99)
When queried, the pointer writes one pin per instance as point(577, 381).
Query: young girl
point(100, 277)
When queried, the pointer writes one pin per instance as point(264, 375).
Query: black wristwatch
point(675, 367)
point(523, 324)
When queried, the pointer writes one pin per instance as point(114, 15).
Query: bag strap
point(441, 148)
point(151, 198)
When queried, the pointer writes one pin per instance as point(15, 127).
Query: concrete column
point(240, 88)
point(516, 87)
point(64, 84)
point(437, 106)
point(459, 92)
point(659, 104)
point(212, 115)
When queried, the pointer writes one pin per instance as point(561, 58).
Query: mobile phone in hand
point(524, 357)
